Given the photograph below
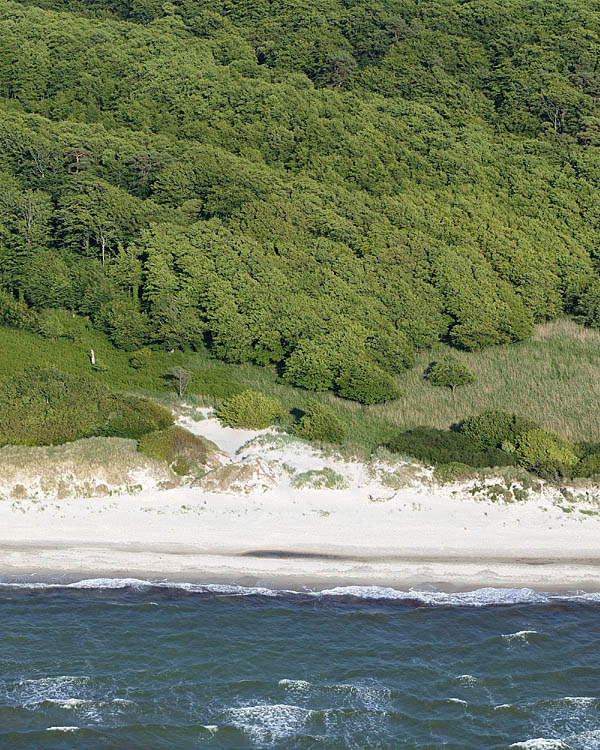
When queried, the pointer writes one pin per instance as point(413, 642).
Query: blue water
point(133, 665)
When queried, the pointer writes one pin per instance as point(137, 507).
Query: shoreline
point(67, 562)
point(270, 532)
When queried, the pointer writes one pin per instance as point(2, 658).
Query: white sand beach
point(279, 534)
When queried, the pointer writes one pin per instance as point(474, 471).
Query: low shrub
point(141, 359)
point(449, 372)
point(454, 472)
point(49, 407)
point(318, 479)
point(437, 447)
point(320, 422)
point(176, 443)
point(215, 382)
point(589, 466)
point(250, 410)
point(546, 454)
point(367, 383)
point(15, 313)
point(133, 417)
point(60, 324)
point(492, 428)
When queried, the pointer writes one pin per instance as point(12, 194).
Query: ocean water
point(131, 664)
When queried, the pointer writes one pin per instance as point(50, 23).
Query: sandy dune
point(366, 533)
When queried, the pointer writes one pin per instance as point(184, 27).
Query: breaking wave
point(482, 597)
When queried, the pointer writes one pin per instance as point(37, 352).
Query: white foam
point(478, 598)
point(540, 743)
point(269, 722)
point(520, 635)
point(295, 685)
point(580, 700)
point(62, 729)
point(457, 700)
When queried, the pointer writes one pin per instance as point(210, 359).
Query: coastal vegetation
point(330, 193)
point(308, 218)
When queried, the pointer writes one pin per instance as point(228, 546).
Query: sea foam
point(482, 597)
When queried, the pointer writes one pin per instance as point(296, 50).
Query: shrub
point(127, 327)
point(176, 443)
point(48, 407)
point(250, 410)
point(449, 372)
point(435, 446)
point(311, 366)
point(318, 479)
point(319, 422)
point(589, 466)
point(14, 312)
point(366, 382)
point(454, 472)
point(215, 382)
point(60, 324)
point(133, 417)
point(394, 353)
point(545, 453)
point(141, 359)
point(492, 428)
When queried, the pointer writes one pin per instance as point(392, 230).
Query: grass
point(554, 379)
point(84, 468)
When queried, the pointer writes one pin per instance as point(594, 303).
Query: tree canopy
point(327, 186)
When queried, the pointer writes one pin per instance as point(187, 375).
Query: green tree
point(449, 372)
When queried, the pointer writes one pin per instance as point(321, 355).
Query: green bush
point(250, 410)
point(15, 313)
point(215, 382)
point(546, 454)
point(176, 443)
point(367, 383)
point(449, 372)
point(393, 353)
point(318, 479)
point(589, 466)
point(133, 417)
point(60, 324)
point(311, 366)
point(492, 428)
point(454, 472)
point(444, 446)
point(49, 407)
point(319, 422)
point(141, 359)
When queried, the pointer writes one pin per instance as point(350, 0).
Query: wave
point(62, 729)
point(269, 722)
point(369, 696)
point(540, 744)
point(482, 597)
point(521, 636)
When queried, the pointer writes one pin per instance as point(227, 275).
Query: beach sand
point(364, 535)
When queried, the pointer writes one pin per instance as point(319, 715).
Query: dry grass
point(554, 379)
point(84, 468)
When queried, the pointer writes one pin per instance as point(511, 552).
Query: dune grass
point(553, 378)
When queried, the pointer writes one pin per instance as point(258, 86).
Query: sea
point(125, 663)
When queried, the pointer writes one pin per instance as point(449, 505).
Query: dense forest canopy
point(328, 186)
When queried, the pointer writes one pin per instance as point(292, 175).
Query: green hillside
point(328, 187)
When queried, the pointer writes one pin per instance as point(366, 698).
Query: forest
point(330, 187)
